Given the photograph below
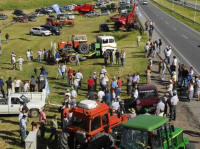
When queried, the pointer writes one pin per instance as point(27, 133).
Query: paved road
point(187, 4)
point(183, 40)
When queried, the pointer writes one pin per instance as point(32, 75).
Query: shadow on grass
point(12, 141)
point(9, 121)
point(24, 39)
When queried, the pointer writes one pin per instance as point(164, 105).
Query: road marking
point(167, 22)
point(185, 36)
point(169, 41)
point(161, 18)
point(174, 28)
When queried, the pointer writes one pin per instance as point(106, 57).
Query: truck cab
point(107, 43)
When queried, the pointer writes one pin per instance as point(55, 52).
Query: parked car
point(3, 16)
point(92, 14)
point(18, 12)
point(67, 8)
point(31, 18)
point(105, 12)
point(52, 16)
point(44, 10)
point(103, 27)
point(62, 9)
point(60, 15)
point(20, 19)
point(70, 16)
point(52, 29)
point(40, 31)
point(38, 14)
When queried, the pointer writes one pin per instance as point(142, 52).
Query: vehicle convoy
point(91, 126)
point(154, 132)
point(79, 44)
point(21, 19)
point(126, 21)
point(11, 104)
point(83, 9)
point(148, 98)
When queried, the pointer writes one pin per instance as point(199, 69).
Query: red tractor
point(78, 43)
point(83, 9)
point(91, 127)
point(127, 21)
point(52, 21)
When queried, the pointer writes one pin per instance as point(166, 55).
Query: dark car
point(31, 18)
point(148, 97)
point(53, 30)
point(18, 12)
point(103, 27)
point(3, 16)
point(52, 16)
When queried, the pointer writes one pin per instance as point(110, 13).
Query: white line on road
point(167, 22)
point(161, 18)
point(174, 28)
point(185, 36)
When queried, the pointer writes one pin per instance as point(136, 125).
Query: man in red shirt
point(43, 122)
point(90, 83)
point(119, 83)
point(70, 73)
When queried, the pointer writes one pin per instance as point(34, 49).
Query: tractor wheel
point(190, 146)
point(101, 140)
point(63, 141)
point(116, 26)
point(83, 48)
point(72, 59)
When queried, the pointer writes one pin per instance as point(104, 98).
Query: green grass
point(29, 4)
point(187, 12)
point(20, 41)
point(193, 1)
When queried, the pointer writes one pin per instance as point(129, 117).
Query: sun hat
point(132, 110)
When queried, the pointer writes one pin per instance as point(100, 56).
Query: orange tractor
point(91, 127)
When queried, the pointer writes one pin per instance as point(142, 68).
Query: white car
point(40, 31)
point(145, 2)
point(38, 14)
point(70, 16)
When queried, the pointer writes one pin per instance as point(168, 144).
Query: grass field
point(20, 41)
point(193, 1)
point(187, 12)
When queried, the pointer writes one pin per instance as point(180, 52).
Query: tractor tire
point(116, 26)
point(101, 140)
point(190, 146)
point(83, 48)
point(72, 59)
point(63, 141)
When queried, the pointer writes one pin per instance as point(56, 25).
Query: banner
point(56, 8)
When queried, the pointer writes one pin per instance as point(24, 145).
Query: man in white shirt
point(168, 54)
point(17, 84)
point(100, 95)
point(160, 107)
point(79, 77)
point(23, 112)
point(25, 86)
point(174, 102)
point(103, 70)
point(63, 70)
point(170, 88)
point(39, 55)
point(150, 62)
point(20, 61)
point(164, 51)
point(146, 48)
point(14, 62)
point(28, 55)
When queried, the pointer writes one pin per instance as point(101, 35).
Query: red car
point(20, 19)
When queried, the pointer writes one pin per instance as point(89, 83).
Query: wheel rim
point(34, 113)
point(84, 48)
point(72, 59)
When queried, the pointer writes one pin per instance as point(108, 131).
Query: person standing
point(70, 73)
point(108, 98)
point(100, 95)
point(148, 74)
point(54, 126)
point(117, 57)
point(129, 83)
point(39, 59)
point(20, 61)
point(119, 83)
point(174, 61)
point(174, 102)
point(190, 90)
point(138, 40)
point(165, 101)
point(184, 76)
point(79, 78)
point(90, 95)
point(23, 128)
point(1, 86)
point(168, 54)
point(77, 59)
point(9, 86)
point(111, 56)
point(106, 55)
point(28, 55)
point(163, 70)
point(198, 89)
point(43, 122)
point(122, 57)
point(63, 70)
point(73, 97)
point(32, 84)
point(45, 54)
point(31, 55)
point(94, 77)
point(57, 56)
point(11, 56)
point(160, 107)
point(7, 37)
point(146, 25)
point(90, 83)
point(14, 62)
point(159, 45)
point(17, 84)
point(132, 113)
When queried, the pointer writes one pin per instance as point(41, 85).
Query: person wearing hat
point(1, 86)
point(22, 124)
point(11, 56)
point(146, 111)
point(138, 40)
point(160, 106)
point(73, 97)
point(77, 59)
point(132, 113)
point(170, 88)
point(174, 102)
point(14, 62)
point(79, 77)
point(20, 61)
point(165, 100)
point(94, 77)
point(39, 54)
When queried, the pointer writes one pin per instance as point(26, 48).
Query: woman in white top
point(190, 90)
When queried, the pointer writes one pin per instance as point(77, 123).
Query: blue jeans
point(63, 75)
point(105, 60)
point(53, 132)
point(39, 58)
point(163, 74)
point(104, 88)
point(122, 59)
point(23, 135)
point(168, 59)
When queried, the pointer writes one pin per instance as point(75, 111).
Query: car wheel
point(31, 33)
point(34, 113)
point(86, 16)
point(96, 15)
point(43, 34)
point(2, 103)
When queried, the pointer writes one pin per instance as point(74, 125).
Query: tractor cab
point(153, 132)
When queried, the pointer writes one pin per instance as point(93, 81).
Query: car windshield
point(24, 98)
point(133, 139)
point(147, 94)
point(81, 123)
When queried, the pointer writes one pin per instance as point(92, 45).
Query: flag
point(56, 8)
point(47, 86)
point(59, 70)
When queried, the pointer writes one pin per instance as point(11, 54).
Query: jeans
point(128, 89)
point(104, 87)
point(63, 75)
point(168, 59)
point(39, 58)
point(6, 40)
point(32, 88)
point(54, 132)
point(42, 129)
point(117, 60)
point(182, 81)
point(23, 135)
point(77, 62)
point(105, 60)
point(16, 89)
point(163, 74)
point(122, 59)
point(173, 112)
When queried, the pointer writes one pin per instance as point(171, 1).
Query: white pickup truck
point(35, 101)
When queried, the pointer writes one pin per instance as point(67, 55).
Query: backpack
point(25, 108)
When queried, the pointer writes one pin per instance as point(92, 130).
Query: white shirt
point(146, 47)
point(28, 54)
point(174, 100)
point(168, 53)
point(135, 94)
point(123, 55)
point(113, 95)
point(17, 83)
point(79, 76)
point(100, 95)
point(22, 122)
point(115, 105)
point(21, 115)
point(160, 106)
point(191, 72)
point(150, 62)
point(39, 53)
point(63, 68)
point(13, 59)
point(170, 87)
point(103, 70)
point(25, 87)
point(20, 60)
point(198, 84)
point(104, 81)
point(175, 61)
point(76, 82)
point(69, 94)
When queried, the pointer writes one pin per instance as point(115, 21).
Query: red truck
point(20, 19)
point(83, 9)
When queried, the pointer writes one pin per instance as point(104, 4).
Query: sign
point(56, 8)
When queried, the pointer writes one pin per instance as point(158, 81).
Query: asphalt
point(183, 40)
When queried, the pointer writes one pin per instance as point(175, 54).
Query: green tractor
point(152, 132)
